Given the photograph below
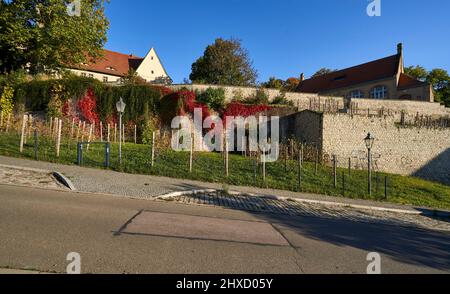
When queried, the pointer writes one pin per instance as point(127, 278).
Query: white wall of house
point(151, 67)
point(99, 76)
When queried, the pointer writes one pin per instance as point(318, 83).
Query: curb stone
point(325, 203)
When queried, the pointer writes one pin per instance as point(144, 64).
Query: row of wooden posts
point(55, 131)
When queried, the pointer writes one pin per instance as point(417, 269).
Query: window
point(152, 57)
point(83, 74)
point(105, 79)
point(91, 76)
point(153, 72)
point(379, 92)
point(356, 94)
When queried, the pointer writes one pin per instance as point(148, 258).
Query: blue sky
point(284, 38)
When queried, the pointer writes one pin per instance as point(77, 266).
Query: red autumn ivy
point(87, 107)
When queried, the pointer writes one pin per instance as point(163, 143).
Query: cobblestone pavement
point(268, 205)
point(31, 178)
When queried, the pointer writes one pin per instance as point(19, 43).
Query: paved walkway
point(147, 187)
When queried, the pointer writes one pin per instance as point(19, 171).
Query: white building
point(113, 66)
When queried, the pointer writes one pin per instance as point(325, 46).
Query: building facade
point(380, 79)
point(113, 66)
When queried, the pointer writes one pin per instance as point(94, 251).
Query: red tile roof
point(371, 71)
point(406, 82)
point(113, 63)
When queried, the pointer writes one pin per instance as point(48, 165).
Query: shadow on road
point(403, 242)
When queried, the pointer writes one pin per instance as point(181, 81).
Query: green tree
point(440, 80)
point(214, 98)
point(418, 72)
point(42, 35)
point(323, 71)
point(225, 62)
point(273, 83)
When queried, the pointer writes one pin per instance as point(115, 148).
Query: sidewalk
point(148, 187)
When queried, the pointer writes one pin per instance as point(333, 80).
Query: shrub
point(239, 109)
point(260, 97)
point(149, 126)
point(56, 103)
point(180, 103)
point(213, 97)
point(282, 100)
point(6, 101)
point(140, 99)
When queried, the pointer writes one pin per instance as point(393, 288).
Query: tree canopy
point(225, 62)
point(323, 71)
point(288, 86)
point(438, 78)
point(43, 34)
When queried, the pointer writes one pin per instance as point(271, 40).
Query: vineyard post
point(24, 121)
point(58, 141)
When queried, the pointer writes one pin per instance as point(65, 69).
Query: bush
point(181, 103)
point(149, 126)
point(213, 97)
point(140, 99)
point(6, 101)
point(261, 97)
point(281, 100)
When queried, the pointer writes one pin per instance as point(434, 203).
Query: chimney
point(302, 77)
point(400, 48)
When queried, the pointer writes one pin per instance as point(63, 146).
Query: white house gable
point(151, 67)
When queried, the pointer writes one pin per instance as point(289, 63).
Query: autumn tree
point(225, 62)
point(44, 35)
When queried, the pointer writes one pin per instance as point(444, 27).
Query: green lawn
point(208, 167)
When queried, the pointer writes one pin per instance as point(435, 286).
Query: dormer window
point(110, 68)
point(340, 78)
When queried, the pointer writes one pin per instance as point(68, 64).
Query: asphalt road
point(38, 228)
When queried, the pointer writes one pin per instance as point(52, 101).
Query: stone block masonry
point(423, 152)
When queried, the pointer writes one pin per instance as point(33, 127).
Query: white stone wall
point(315, 102)
point(402, 150)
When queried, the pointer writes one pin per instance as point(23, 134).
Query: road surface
point(38, 228)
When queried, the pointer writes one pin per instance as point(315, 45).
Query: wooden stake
point(24, 121)
point(153, 148)
point(71, 130)
point(135, 134)
point(101, 132)
point(1, 120)
point(264, 165)
point(51, 126)
point(191, 155)
point(91, 128)
point(58, 140)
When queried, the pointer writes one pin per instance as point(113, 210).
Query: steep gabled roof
point(371, 71)
point(113, 63)
point(406, 82)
